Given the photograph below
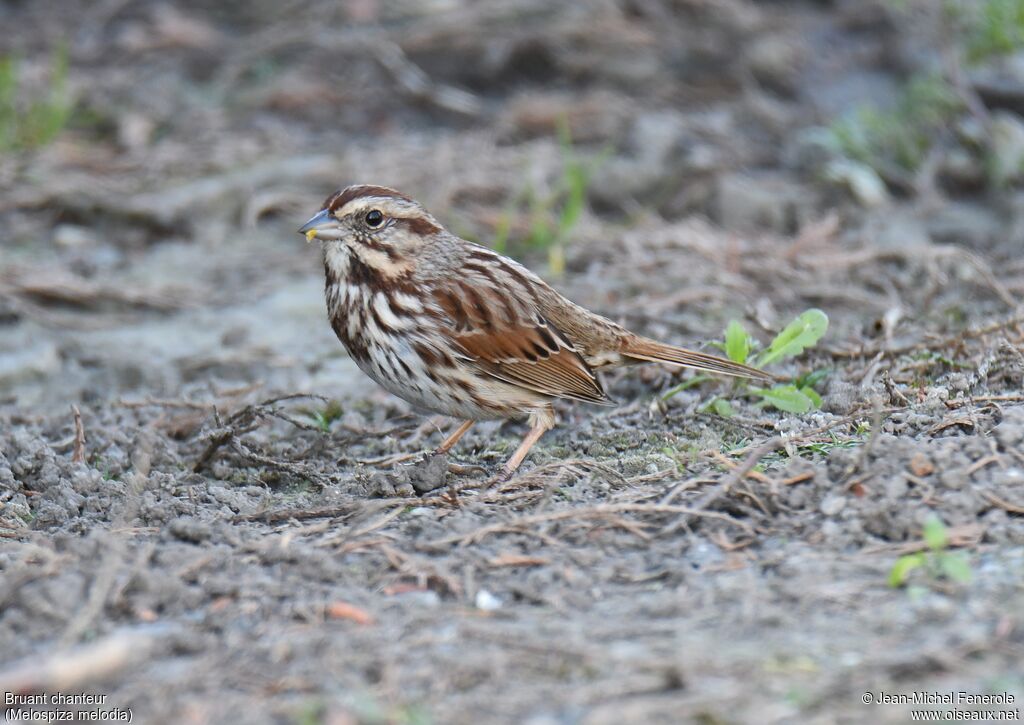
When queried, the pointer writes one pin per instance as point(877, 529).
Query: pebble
point(832, 505)
point(863, 182)
point(486, 601)
point(1006, 142)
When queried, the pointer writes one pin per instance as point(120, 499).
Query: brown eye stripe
point(371, 243)
point(418, 225)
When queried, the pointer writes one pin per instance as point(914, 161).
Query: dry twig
point(246, 420)
point(78, 456)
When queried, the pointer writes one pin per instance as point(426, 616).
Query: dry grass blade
point(599, 512)
point(1002, 503)
point(737, 474)
point(246, 420)
point(344, 538)
point(413, 81)
point(78, 455)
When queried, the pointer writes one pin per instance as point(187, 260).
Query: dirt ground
point(215, 557)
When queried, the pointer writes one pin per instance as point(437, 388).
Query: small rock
point(863, 182)
point(921, 466)
point(832, 505)
point(773, 60)
point(953, 478)
point(486, 601)
point(830, 530)
point(38, 361)
point(1010, 477)
point(961, 170)
point(1010, 431)
point(969, 225)
point(15, 512)
point(896, 488)
point(1001, 84)
point(135, 130)
point(70, 236)
point(420, 598)
point(810, 150)
point(656, 135)
point(1006, 145)
point(754, 202)
point(428, 474)
point(896, 228)
point(841, 397)
point(188, 529)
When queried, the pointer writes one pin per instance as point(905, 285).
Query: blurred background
point(158, 156)
point(673, 164)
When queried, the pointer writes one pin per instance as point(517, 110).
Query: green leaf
point(723, 408)
point(955, 567)
point(902, 568)
point(801, 333)
point(812, 394)
point(737, 342)
point(685, 385)
point(786, 398)
point(501, 232)
point(935, 533)
point(813, 378)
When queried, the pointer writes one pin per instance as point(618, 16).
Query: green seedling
point(552, 216)
point(323, 417)
point(996, 29)
point(796, 397)
point(902, 136)
point(30, 120)
point(937, 562)
point(799, 335)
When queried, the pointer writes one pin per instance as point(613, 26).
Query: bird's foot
point(504, 475)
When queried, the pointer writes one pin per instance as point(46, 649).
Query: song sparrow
point(458, 329)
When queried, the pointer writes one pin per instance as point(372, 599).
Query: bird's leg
point(539, 425)
point(451, 440)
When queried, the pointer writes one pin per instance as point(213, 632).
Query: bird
point(456, 328)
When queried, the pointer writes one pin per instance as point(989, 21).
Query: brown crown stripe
point(340, 198)
point(418, 225)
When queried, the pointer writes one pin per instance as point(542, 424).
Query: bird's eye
point(374, 218)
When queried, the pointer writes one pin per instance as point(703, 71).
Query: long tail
point(642, 348)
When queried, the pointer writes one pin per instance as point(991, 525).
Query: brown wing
point(507, 340)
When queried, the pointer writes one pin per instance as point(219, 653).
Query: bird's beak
point(319, 223)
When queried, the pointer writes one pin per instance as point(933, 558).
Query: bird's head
point(381, 227)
